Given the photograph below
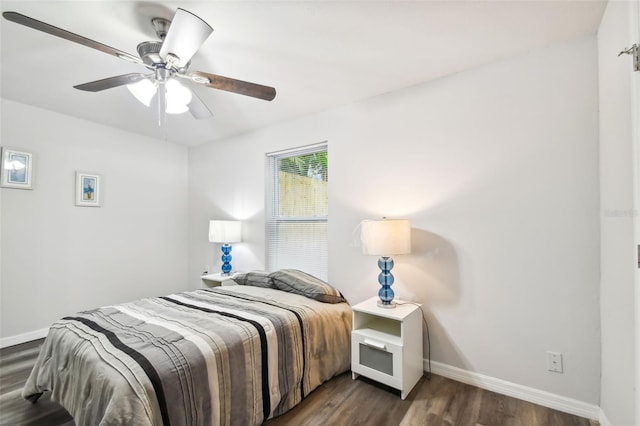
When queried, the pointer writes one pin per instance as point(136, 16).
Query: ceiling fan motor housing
point(149, 52)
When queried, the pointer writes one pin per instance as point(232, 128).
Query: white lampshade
point(386, 237)
point(225, 231)
point(144, 90)
point(178, 97)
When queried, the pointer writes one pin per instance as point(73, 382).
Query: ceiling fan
point(168, 60)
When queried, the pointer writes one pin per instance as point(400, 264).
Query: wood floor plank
point(17, 411)
point(340, 401)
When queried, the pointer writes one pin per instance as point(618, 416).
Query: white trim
point(634, 37)
point(604, 421)
point(540, 397)
point(23, 338)
point(300, 150)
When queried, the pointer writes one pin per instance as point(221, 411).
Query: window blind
point(297, 210)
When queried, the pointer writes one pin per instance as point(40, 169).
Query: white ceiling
point(317, 54)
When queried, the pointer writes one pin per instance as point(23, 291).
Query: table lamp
point(225, 232)
point(384, 238)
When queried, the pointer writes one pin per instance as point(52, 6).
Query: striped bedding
point(233, 355)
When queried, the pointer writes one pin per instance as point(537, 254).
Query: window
point(297, 211)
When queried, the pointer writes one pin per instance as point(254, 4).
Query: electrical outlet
point(554, 361)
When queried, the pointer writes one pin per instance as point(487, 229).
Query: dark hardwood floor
point(341, 401)
point(15, 365)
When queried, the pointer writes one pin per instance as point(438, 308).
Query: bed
point(230, 355)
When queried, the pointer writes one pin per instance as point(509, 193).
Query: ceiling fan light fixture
point(143, 90)
point(176, 109)
point(178, 97)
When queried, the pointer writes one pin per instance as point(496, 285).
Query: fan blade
point(197, 108)
point(67, 35)
point(232, 85)
point(185, 36)
point(111, 82)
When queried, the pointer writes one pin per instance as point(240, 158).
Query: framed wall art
point(88, 191)
point(16, 169)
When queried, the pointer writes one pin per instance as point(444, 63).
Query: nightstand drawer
point(377, 359)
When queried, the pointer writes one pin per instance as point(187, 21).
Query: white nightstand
point(386, 344)
point(217, 279)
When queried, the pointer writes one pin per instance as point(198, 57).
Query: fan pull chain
point(162, 103)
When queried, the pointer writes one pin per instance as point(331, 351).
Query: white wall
point(57, 258)
point(619, 358)
point(497, 169)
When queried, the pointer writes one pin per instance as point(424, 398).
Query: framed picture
point(16, 169)
point(88, 192)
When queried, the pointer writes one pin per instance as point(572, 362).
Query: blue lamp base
point(385, 263)
point(226, 259)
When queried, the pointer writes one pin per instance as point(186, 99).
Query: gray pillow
point(254, 278)
point(299, 282)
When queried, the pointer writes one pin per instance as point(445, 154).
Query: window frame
point(273, 216)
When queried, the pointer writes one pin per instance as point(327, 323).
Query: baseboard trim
point(540, 397)
point(23, 338)
point(602, 418)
